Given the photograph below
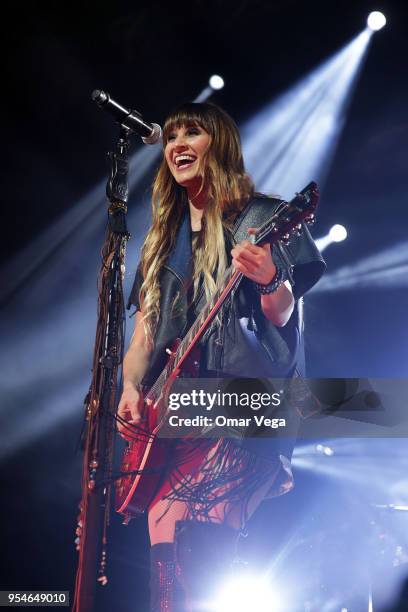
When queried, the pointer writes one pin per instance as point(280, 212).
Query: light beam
point(293, 139)
point(388, 268)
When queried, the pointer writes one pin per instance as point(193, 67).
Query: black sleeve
point(134, 294)
point(302, 260)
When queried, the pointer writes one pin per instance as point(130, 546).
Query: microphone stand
point(101, 401)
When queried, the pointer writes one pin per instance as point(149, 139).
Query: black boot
point(205, 553)
point(165, 591)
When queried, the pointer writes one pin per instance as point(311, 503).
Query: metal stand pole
point(101, 401)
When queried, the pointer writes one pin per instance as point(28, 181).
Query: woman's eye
point(192, 131)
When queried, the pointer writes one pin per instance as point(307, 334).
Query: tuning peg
point(285, 238)
point(310, 219)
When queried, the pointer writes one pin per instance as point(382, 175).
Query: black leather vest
point(246, 344)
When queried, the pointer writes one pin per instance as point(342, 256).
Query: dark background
point(152, 56)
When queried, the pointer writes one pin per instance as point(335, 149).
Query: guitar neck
point(230, 282)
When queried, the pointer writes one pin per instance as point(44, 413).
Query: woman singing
point(203, 206)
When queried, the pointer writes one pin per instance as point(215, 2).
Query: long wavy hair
point(228, 189)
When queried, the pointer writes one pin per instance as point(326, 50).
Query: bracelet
point(275, 283)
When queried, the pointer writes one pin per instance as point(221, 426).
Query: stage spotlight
point(216, 82)
point(324, 450)
point(338, 233)
point(246, 593)
point(376, 21)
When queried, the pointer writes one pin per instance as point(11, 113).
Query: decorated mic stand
point(101, 400)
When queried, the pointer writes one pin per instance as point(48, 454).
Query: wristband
point(275, 283)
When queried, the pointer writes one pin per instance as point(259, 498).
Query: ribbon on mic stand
point(101, 400)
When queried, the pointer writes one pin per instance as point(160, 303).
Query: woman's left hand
point(255, 262)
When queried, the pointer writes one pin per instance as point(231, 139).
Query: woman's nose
point(179, 141)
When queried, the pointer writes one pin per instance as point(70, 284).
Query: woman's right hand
point(130, 407)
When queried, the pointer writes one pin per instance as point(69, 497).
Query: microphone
point(132, 119)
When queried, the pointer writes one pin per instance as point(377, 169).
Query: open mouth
point(184, 161)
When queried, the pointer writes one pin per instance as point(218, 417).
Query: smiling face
point(185, 152)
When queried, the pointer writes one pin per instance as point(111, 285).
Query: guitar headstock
point(287, 219)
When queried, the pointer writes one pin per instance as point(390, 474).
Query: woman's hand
point(255, 262)
point(130, 407)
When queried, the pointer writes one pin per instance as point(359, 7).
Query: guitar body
point(145, 458)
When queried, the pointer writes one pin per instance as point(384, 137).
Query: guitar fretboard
point(201, 325)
